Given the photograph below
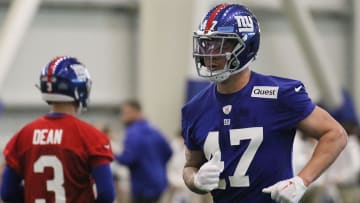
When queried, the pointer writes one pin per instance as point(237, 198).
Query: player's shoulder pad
point(198, 99)
point(281, 82)
point(286, 83)
point(87, 126)
point(286, 86)
point(29, 127)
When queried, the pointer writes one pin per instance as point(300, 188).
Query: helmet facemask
point(212, 51)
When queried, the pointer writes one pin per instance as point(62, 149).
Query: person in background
point(59, 156)
point(146, 153)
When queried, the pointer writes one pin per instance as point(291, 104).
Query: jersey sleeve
point(132, 143)
point(99, 148)
point(296, 103)
point(11, 153)
point(186, 131)
point(165, 148)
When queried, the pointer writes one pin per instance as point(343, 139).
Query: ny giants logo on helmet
point(245, 23)
point(81, 72)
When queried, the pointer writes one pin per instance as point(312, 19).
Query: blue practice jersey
point(253, 129)
point(146, 153)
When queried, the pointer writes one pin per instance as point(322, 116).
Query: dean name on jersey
point(47, 136)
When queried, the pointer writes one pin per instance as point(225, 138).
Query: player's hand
point(287, 191)
point(208, 176)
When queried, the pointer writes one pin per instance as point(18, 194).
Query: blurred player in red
point(58, 156)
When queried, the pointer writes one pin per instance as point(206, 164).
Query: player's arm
point(103, 178)
point(194, 160)
point(331, 137)
point(11, 188)
point(100, 156)
point(131, 153)
point(167, 150)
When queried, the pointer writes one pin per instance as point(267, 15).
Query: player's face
point(214, 49)
point(128, 114)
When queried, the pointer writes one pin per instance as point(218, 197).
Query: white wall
point(318, 5)
point(165, 41)
point(355, 53)
point(101, 38)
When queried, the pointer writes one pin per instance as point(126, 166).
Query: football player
point(239, 131)
point(58, 156)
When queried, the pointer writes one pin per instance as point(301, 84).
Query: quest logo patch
point(269, 92)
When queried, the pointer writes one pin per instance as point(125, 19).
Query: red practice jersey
point(55, 155)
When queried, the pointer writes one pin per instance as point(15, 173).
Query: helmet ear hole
point(251, 47)
point(62, 86)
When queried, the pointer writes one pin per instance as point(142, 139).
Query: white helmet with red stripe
point(65, 79)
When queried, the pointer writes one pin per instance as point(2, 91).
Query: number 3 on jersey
point(56, 184)
point(254, 134)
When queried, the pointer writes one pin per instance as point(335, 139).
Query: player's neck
point(65, 108)
point(138, 117)
point(235, 82)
